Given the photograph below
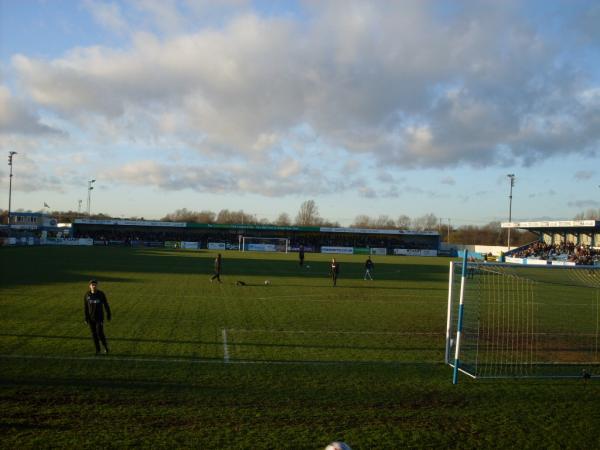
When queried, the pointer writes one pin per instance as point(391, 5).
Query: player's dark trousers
point(97, 329)
point(216, 276)
point(334, 278)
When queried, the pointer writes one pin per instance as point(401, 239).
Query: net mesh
point(265, 244)
point(523, 321)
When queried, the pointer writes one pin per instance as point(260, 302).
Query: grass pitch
point(295, 363)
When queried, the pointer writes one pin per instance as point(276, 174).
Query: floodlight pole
point(10, 163)
point(89, 199)
point(511, 177)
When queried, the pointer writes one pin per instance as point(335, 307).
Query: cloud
point(17, 117)
point(107, 14)
point(367, 192)
point(448, 180)
point(548, 193)
point(582, 175)
point(28, 176)
point(399, 84)
point(221, 178)
point(583, 204)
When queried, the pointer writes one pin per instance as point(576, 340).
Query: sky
point(366, 107)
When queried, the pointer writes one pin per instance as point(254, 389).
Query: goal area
point(519, 321)
point(264, 244)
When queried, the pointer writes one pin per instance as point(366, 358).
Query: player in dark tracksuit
point(94, 304)
point(335, 271)
point(368, 268)
point(217, 274)
point(301, 255)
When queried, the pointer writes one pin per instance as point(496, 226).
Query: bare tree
point(184, 215)
point(283, 220)
point(590, 214)
point(237, 217)
point(328, 223)
point(426, 222)
point(384, 221)
point(362, 221)
point(403, 222)
point(308, 214)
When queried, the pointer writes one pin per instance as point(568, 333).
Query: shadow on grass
point(19, 426)
point(111, 339)
point(341, 285)
point(46, 265)
point(251, 344)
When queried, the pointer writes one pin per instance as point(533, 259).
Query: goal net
point(262, 244)
point(523, 321)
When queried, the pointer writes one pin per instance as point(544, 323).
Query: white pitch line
point(225, 349)
point(383, 333)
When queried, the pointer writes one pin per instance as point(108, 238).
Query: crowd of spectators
point(566, 251)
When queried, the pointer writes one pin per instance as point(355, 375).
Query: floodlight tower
point(511, 177)
point(89, 199)
point(10, 163)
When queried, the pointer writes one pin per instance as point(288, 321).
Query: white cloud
point(394, 83)
point(107, 14)
point(289, 168)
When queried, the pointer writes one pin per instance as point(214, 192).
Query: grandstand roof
point(249, 227)
point(555, 224)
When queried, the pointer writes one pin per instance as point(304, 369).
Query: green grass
point(308, 363)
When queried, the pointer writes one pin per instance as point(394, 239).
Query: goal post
point(264, 244)
point(518, 321)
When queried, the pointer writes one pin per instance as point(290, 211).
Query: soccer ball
point(267, 282)
point(307, 266)
point(338, 446)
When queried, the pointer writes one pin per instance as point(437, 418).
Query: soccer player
point(94, 304)
point(217, 274)
point(301, 255)
point(368, 268)
point(335, 271)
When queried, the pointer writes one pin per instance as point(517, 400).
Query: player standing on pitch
point(94, 304)
point(217, 274)
point(335, 271)
point(301, 255)
point(368, 267)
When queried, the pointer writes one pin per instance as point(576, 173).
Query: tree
point(384, 221)
point(185, 215)
point(403, 222)
point(362, 221)
point(590, 214)
point(235, 217)
point(308, 214)
point(283, 220)
point(426, 222)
